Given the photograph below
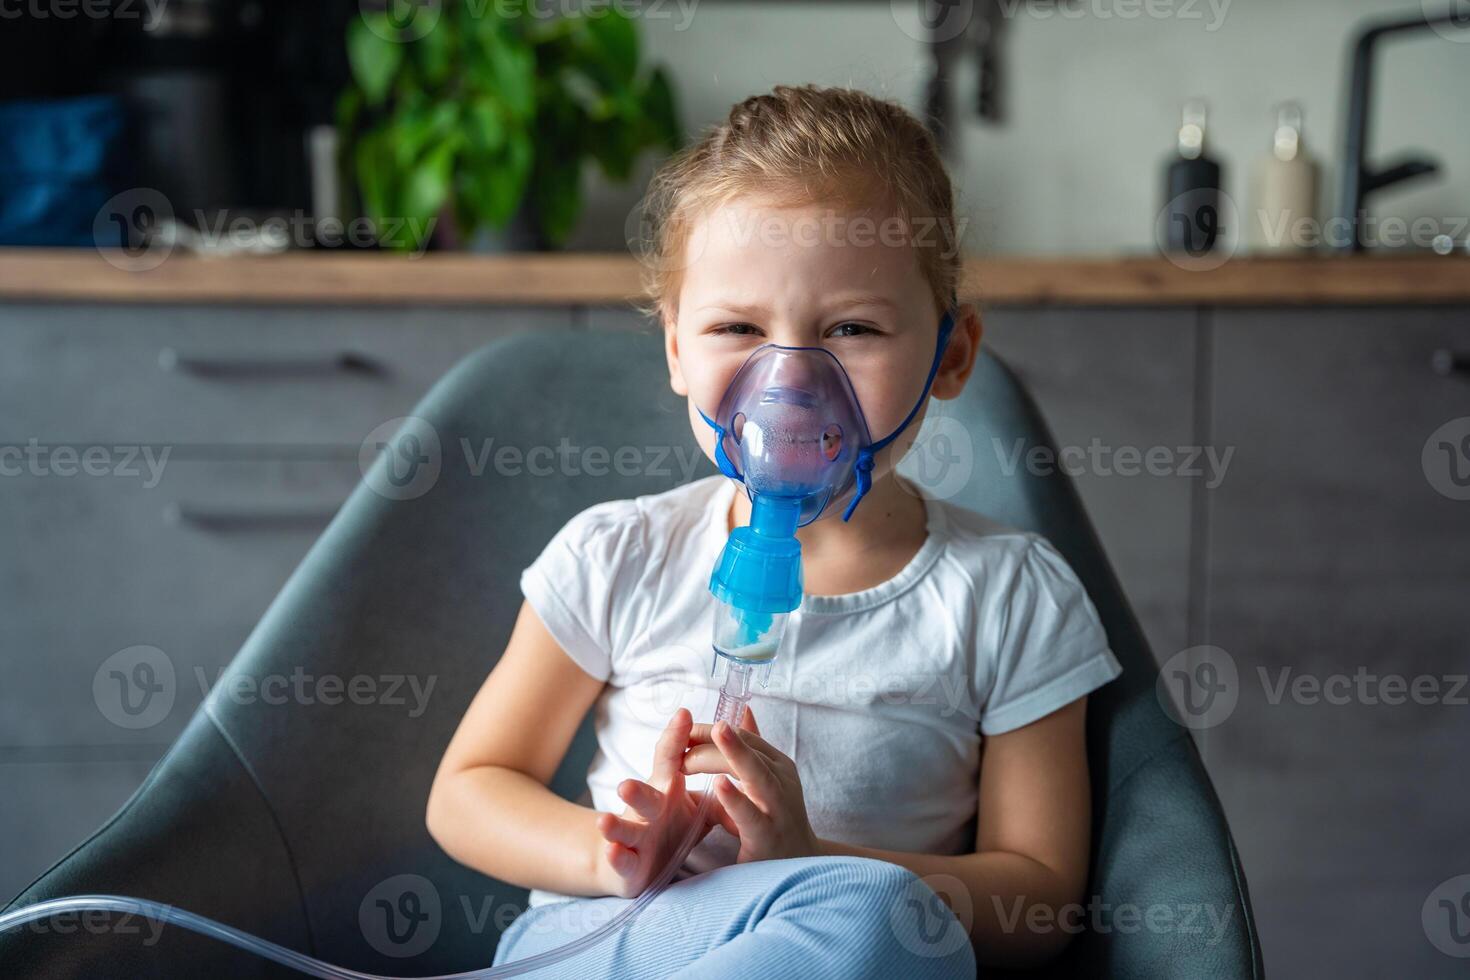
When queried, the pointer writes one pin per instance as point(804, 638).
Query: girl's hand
point(768, 812)
point(641, 841)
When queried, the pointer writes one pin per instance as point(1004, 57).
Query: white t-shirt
point(881, 696)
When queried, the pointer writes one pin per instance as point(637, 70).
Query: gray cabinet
point(1117, 388)
point(166, 469)
point(1335, 564)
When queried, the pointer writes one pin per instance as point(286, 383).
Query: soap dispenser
point(1284, 190)
point(1192, 219)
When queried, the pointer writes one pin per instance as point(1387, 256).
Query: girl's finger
point(643, 798)
point(669, 751)
point(614, 828)
point(752, 769)
point(745, 814)
point(705, 758)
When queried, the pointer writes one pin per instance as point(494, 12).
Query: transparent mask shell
point(793, 426)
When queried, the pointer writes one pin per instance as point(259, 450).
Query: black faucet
point(1358, 179)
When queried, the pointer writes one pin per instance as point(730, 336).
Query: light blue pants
point(842, 917)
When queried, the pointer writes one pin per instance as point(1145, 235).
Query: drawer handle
point(240, 365)
point(221, 518)
point(1447, 362)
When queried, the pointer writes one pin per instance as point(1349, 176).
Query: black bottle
point(1192, 191)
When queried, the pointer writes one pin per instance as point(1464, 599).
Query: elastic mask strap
point(726, 466)
point(865, 455)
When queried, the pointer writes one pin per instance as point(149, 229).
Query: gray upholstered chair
point(295, 821)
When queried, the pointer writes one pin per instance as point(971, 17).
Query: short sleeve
point(583, 583)
point(1050, 649)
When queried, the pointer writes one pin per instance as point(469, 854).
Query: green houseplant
point(491, 109)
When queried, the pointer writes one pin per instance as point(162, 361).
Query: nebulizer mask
point(790, 428)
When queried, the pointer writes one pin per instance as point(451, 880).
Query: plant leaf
point(374, 60)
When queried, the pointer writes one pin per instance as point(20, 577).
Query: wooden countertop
point(588, 278)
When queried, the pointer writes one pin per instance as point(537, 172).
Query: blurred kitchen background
point(1331, 541)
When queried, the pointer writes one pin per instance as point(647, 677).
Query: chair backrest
point(304, 821)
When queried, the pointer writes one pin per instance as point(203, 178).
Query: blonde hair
point(805, 145)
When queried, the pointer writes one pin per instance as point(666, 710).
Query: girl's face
point(804, 277)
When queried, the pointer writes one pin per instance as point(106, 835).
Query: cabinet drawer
point(100, 564)
point(236, 377)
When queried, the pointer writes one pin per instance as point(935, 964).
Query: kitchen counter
point(591, 278)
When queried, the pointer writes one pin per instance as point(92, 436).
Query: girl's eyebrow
point(866, 299)
point(730, 306)
point(755, 309)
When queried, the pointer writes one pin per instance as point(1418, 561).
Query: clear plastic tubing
point(734, 693)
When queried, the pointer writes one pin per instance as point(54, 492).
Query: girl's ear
point(959, 356)
point(671, 354)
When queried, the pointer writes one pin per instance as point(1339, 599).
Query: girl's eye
point(735, 329)
point(858, 329)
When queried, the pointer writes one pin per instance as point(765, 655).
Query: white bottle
point(1283, 213)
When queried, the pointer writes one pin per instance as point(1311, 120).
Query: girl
point(861, 836)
